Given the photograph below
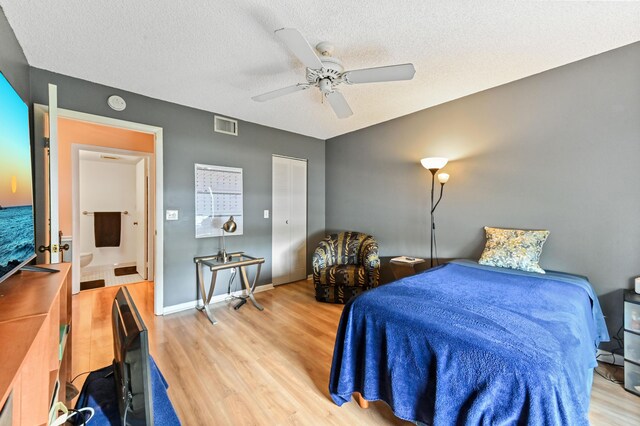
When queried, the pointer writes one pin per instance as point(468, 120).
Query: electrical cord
point(81, 414)
point(435, 244)
point(126, 410)
point(232, 277)
point(69, 413)
point(620, 340)
point(74, 379)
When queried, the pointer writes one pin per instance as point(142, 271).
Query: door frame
point(75, 202)
point(157, 166)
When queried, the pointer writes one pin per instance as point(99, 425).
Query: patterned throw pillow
point(513, 249)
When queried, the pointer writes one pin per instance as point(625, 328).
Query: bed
point(465, 343)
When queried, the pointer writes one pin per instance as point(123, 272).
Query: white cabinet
point(289, 220)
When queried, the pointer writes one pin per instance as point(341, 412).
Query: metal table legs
point(249, 288)
point(204, 297)
point(206, 300)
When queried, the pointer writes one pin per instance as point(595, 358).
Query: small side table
point(404, 266)
point(215, 263)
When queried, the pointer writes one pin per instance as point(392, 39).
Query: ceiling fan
point(326, 72)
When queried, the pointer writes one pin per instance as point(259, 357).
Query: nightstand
point(632, 342)
point(403, 266)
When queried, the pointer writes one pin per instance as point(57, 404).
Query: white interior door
point(281, 187)
point(51, 179)
point(140, 221)
point(298, 220)
point(289, 219)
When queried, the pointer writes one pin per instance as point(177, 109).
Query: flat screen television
point(17, 237)
point(131, 365)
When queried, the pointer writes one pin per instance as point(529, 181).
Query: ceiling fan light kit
point(326, 72)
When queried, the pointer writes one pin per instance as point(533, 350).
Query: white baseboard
point(310, 277)
point(168, 310)
point(608, 358)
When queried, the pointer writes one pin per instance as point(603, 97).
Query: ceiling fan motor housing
point(331, 68)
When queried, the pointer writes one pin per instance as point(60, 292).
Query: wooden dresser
point(35, 337)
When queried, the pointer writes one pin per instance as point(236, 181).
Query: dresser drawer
point(632, 346)
point(632, 377)
point(632, 316)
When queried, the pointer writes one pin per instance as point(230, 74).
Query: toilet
point(85, 259)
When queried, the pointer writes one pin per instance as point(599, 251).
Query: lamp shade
point(443, 178)
point(432, 163)
point(230, 225)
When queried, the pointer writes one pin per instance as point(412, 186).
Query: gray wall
point(13, 63)
point(559, 150)
point(189, 138)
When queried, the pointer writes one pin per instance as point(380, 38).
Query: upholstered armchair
point(345, 265)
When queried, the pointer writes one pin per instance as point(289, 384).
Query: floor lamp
point(434, 164)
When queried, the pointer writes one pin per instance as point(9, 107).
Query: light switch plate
point(172, 214)
point(266, 214)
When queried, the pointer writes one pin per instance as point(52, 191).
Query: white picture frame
point(218, 196)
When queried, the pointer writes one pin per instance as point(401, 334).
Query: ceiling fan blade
point(339, 104)
point(299, 46)
point(374, 75)
point(280, 92)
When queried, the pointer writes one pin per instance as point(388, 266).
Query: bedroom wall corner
point(189, 138)
point(13, 62)
point(558, 150)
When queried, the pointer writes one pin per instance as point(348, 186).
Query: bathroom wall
point(107, 186)
point(78, 132)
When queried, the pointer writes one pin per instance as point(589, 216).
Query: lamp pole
point(433, 164)
point(433, 225)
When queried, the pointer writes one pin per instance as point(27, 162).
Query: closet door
point(289, 220)
point(281, 260)
point(298, 220)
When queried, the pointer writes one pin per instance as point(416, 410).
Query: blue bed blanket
point(468, 344)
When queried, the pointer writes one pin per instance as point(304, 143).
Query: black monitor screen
point(131, 361)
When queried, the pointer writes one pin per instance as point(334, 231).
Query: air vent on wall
point(225, 125)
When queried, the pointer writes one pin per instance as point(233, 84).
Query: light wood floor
point(260, 368)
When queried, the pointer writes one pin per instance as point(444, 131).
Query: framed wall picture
point(219, 194)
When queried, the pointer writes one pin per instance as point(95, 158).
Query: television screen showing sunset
point(16, 200)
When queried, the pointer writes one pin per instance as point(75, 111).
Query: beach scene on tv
point(16, 201)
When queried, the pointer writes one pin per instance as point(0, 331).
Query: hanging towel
point(106, 229)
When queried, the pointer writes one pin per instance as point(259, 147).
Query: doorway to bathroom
point(112, 193)
point(106, 195)
point(56, 233)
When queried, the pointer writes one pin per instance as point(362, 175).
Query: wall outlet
point(172, 214)
point(266, 214)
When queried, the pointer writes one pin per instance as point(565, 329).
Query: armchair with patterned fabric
point(345, 265)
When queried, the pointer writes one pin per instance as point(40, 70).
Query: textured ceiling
point(215, 55)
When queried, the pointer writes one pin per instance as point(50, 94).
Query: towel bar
point(86, 213)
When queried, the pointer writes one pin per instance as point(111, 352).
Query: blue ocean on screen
point(16, 237)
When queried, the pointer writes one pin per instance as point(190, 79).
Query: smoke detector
point(116, 103)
